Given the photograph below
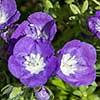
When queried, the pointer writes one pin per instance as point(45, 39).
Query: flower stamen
point(68, 64)
point(34, 63)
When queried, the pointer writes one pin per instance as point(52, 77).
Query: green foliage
point(47, 4)
point(74, 9)
point(69, 1)
point(85, 6)
point(16, 91)
point(13, 92)
point(97, 2)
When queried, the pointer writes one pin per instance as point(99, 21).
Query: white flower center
point(34, 63)
point(98, 25)
point(3, 17)
point(38, 34)
point(68, 64)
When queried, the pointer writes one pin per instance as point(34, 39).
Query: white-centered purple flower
point(32, 61)
point(38, 26)
point(8, 14)
point(94, 24)
point(42, 94)
point(77, 61)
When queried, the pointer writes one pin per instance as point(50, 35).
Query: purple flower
point(42, 94)
point(77, 61)
point(8, 14)
point(94, 24)
point(38, 26)
point(32, 61)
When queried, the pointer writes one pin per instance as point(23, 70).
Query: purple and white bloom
point(38, 26)
point(8, 14)
point(94, 24)
point(77, 61)
point(42, 94)
point(32, 61)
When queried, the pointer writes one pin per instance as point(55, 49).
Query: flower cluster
point(33, 59)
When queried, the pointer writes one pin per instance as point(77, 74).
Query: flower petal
point(14, 67)
point(44, 22)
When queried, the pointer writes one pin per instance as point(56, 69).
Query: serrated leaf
point(15, 92)
point(77, 92)
point(85, 6)
point(74, 9)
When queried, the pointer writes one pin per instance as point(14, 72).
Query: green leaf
point(7, 86)
point(6, 89)
point(91, 89)
point(77, 92)
point(15, 92)
point(74, 9)
point(94, 84)
point(47, 4)
point(69, 1)
point(32, 96)
point(83, 88)
point(97, 7)
point(93, 97)
point(98, 64)
point(72, 17)
point(72, 97)
point(22, 98)
point(98, 73)
point(85, 6)
point(84, 98)
point(58, 82)
point(50, 92)
point(96, 2)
